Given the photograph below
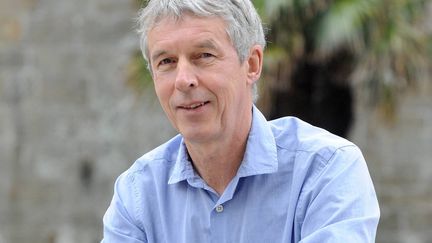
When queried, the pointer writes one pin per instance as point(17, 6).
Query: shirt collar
point(183, 168)
point(260, 155)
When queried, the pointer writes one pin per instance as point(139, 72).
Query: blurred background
point(77, 106)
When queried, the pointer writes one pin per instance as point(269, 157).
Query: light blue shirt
point(296, 183)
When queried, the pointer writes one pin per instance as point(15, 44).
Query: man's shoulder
point(293, 134)
point(162, 156)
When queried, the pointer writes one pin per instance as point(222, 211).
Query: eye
point(206, 55)
point(166, 61)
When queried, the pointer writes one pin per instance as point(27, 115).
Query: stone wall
point(69, 126)
point(68, 123)
point(399, 155)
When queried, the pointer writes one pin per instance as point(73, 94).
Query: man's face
point(201, 84)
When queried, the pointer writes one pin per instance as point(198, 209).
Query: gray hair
point(244, 26)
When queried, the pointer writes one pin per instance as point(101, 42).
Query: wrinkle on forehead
point(170, 24)
point(179, 17)
point(161, 32)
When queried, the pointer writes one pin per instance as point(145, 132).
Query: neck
point(218, 162)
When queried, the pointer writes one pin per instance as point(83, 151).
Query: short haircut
point(243, 24)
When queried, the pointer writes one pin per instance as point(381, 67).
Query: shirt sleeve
point(119, 223)
point(340, 205)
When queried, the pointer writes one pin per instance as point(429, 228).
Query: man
point(231, 176)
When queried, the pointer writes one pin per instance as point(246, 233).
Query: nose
point(185, 78)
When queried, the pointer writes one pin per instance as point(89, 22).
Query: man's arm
point(119, 223)
point(340, 205)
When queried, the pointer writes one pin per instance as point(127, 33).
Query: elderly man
point(230, 175)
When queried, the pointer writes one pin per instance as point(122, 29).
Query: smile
point(195, 106)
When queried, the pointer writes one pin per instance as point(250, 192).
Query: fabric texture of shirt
point(296, 183)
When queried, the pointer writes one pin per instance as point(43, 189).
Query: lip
point(193, 105)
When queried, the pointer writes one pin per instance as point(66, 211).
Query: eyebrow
point(210, 44)
point(157, 55)
point(206, 44)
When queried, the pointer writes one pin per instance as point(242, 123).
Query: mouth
point(194, 105)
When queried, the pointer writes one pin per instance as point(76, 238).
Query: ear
point(255, 62)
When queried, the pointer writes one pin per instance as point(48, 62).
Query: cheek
point(164, 95)
point(162, 89)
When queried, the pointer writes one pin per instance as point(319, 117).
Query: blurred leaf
point(389, 42)
point(138, 75)
point(342, 23)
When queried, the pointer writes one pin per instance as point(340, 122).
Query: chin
point(196, 136)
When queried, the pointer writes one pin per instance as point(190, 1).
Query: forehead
point(188, 29)
point(187, 18)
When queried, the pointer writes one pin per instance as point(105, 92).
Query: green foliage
point(342, 23)
point(138, 75)
point(141, 3)
point(387, 39)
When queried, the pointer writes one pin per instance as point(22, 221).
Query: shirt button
point(219, 208)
